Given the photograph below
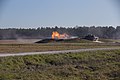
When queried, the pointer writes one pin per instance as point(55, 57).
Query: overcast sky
point(37, 13)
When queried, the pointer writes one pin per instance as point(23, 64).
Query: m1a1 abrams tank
point(91, 37)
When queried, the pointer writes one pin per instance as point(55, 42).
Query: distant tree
point(42, 32)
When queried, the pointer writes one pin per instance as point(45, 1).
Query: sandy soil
point(19, 41)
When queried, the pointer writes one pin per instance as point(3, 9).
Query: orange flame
point(55, 34)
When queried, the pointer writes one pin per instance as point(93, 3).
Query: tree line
point(107, 32)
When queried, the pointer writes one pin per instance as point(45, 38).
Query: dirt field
point(28, 45)
point(19, 41)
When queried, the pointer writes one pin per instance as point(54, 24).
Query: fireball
point(57, 35)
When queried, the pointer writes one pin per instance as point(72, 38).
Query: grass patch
point(93, 65)
point(17, 48)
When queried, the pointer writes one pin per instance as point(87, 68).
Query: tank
point(91, 37)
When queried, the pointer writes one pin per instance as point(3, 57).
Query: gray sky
point(37, 13)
